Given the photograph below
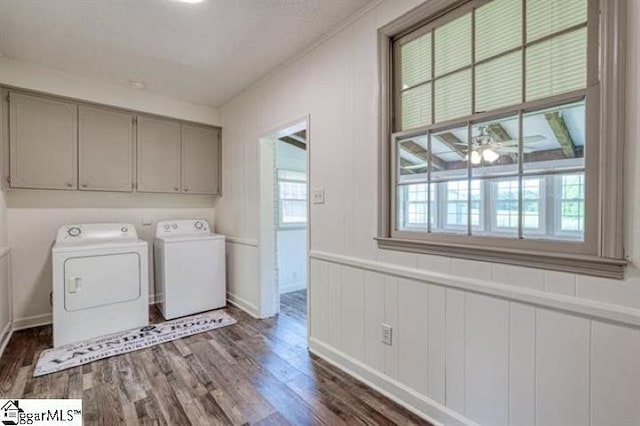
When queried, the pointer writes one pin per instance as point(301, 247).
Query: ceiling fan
point(485, 147)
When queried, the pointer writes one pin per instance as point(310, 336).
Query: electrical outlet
point(387, 332)
point(318, 195)
point(147, 220)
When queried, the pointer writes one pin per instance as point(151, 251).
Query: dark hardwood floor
point(253, 372)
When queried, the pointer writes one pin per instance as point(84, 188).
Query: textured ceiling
point(203, 53)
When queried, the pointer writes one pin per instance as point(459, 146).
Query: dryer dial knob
point(167, 226)
point(124, 229)
point(199, 225)
point(74, 231)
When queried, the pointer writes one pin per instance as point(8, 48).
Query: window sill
point(572, 263)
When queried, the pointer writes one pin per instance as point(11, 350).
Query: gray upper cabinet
point(200, 159)
point(158, 155)
point(54, 143)
point(42, 142)
point(106, 144)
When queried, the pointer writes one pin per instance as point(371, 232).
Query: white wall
point(292, 259)
point(291, 244)
point(26, 76)
point(473, 341)
point(31, 218)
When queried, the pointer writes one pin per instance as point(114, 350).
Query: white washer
point(190, 268)
point(100, 281)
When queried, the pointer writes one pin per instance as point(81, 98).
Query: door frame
point(269, 291)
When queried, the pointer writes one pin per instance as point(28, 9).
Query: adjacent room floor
point(256, 372)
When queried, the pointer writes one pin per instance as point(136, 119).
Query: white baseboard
point(5, 336)
point(299, 285)
point(424, 407)
point(46, 319)
point(243, 304)
point(33, 321)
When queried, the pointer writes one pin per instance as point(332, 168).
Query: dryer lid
point(96, 233)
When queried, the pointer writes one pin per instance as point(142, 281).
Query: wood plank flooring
point(253, 372)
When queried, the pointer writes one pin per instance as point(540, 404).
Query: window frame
point(290, 225)
point(601, 253)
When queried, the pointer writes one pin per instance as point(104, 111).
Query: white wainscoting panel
point(615, 374)
point(437, 343)
point(486, 359)
point(460, 356)
point(352, 317)
point(373, 320)
point(454, 347)
point(522, 366)
point(243, 275)
point(562, 369)
point(413, 335)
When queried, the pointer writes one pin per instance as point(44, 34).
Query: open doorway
point(284, 220)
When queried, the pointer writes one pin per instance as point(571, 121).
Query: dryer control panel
point(92, 232)
point(182, 227)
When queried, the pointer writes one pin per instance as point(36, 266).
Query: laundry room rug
point(73, 355)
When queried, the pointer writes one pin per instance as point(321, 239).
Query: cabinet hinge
point(134, 120)
point(8, 96)
point(9, 180)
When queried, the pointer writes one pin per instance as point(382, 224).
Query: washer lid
point(184, 238)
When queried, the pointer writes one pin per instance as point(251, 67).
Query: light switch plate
point(318, 195)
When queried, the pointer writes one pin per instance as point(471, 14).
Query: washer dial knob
point(124, 229)
point(74, 231)
point(199, 225)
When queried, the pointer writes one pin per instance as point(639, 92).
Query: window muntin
point(292, 198)
point(482, 60)
point(496, 176)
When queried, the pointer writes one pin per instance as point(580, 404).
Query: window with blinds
point(490, 123)
point(292, 198)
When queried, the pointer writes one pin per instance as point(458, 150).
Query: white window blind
point(480, 61)
point(557, 65)
point(498, 28)
point(453, 45)
point(545, 17)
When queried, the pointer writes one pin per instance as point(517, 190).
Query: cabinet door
point(43, 145)
point(200, 159)
point(106, 149)
point(158, 155)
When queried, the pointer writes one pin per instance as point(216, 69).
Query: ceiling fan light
point(490, 156)
point(476, 158)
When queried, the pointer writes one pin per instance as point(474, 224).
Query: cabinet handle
point(176, 189)
point(69, 185)
point(186, 190)
point(84, 185)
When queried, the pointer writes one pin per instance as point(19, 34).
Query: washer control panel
point(182, 227)
point(93, 232)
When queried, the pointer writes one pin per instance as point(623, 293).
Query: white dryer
point(100, 281)
point(189, 268)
